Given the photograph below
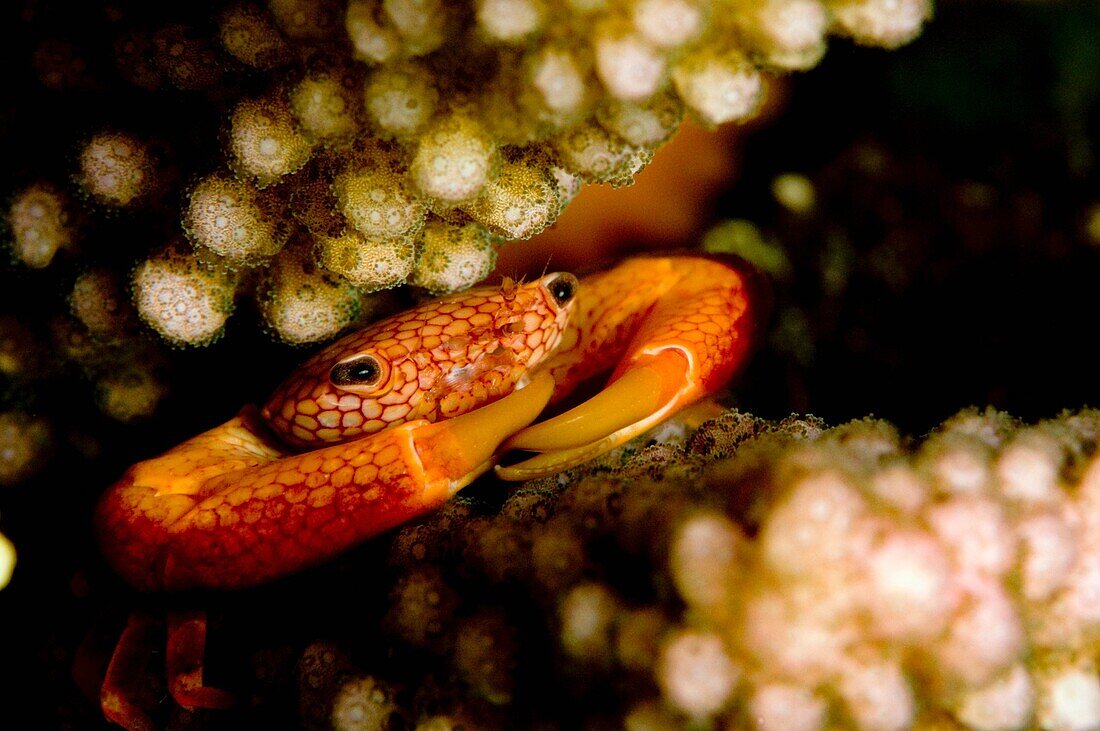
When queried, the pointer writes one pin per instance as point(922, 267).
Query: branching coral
point(768, 575)
point(371, 124)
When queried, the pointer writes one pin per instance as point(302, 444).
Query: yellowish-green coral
point(369, 264)
point(234, 221)
point(116, 169)
point(130, 394)
point(452, 257)
point(22, 356)
point(100, 300)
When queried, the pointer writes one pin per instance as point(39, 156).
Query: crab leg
point(183, 661)
point(120, 701)
point(674, 329)
point(227, 509)
point(124, 695)
point(279, 513)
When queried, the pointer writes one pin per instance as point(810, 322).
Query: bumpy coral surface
point(753, 574)
point(404, 139)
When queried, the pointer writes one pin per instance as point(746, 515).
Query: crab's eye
point(362, 370)
point(563, 287)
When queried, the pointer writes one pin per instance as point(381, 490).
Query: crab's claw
point(346, 493)
point(456, 451)
point(653, 389)
point(684, 345)
point(417, 466)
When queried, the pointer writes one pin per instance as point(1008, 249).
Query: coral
point(369, 265)
point(763, 575)
point(265, 142)
point(183, 300)
point(453, 257)
point(362, 704)
point(22, 356)
point(26, 441)
point(131, 394)
point(322, 669)
point(303, 303)
point(98, 300)
point(886, 23)
point(116, 169)
point(40, 224)
point(373, 196)
point(371, 124)
point(234, 221)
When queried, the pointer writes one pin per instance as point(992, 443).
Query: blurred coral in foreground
point(761, 574)
point(384, 141)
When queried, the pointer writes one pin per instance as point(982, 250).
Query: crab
point(389, 422)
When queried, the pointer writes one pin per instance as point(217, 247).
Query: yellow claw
point(673, 330)
point(641, 398)
point(455, 452)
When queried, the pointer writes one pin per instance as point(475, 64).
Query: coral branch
point(774, 575)
point(362, 121)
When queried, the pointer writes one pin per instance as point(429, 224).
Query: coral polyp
point(326, 103)
point(400, 98)
point(183, 300)
point(41, 224)
point(303, 303)
point(265, 142)
point(99, 300)
point(453, 161)
point(249, 34)
point(452, 258)
point(116, 169)
point(26, 441)
point(370, 265)
point(230, 218)
point(759, 575)
point(374, 197)
point(372, 117)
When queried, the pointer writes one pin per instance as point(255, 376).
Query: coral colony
point(382, 143)
point(758, 575)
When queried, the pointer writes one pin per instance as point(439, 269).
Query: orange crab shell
point(438, 360)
